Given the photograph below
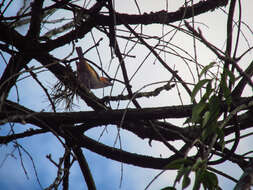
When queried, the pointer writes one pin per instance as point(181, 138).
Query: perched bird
point(87, 76)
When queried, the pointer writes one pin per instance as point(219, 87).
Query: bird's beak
point(106, 81)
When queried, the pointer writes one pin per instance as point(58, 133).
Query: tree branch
point(36, 17)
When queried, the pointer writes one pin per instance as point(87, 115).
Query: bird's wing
point(83, 66)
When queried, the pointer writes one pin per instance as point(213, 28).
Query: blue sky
point(106, 172)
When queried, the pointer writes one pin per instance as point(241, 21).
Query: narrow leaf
point(198, 86)
point(186, 181)
point(206, 68)
point(196, 111)
point(176, 164)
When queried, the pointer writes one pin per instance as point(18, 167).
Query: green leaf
point(197, 164)
point(226, 91)
point(206, 68)
point(198, 179)
point(209, 130)
point(215, 101)
point(206, 118)
point(220, 134)
point(196, 111)
point(186, 181)
point(177, 164)
point(230, 75)
point(210, 180)
point(182, 172)
point(198, 86)
point(209, 91)
point(214, 107)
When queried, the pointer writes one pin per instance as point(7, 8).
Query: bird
point(87, 76)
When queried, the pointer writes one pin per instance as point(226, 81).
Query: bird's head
point(104, 82)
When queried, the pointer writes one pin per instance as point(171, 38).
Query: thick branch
point(10, 75)
point(101, 117)
point(135, 120)
point(34, 29)
point(163, 17)
point(241, 85)
point(120, 155)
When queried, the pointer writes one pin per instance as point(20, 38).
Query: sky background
point(107, 173)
